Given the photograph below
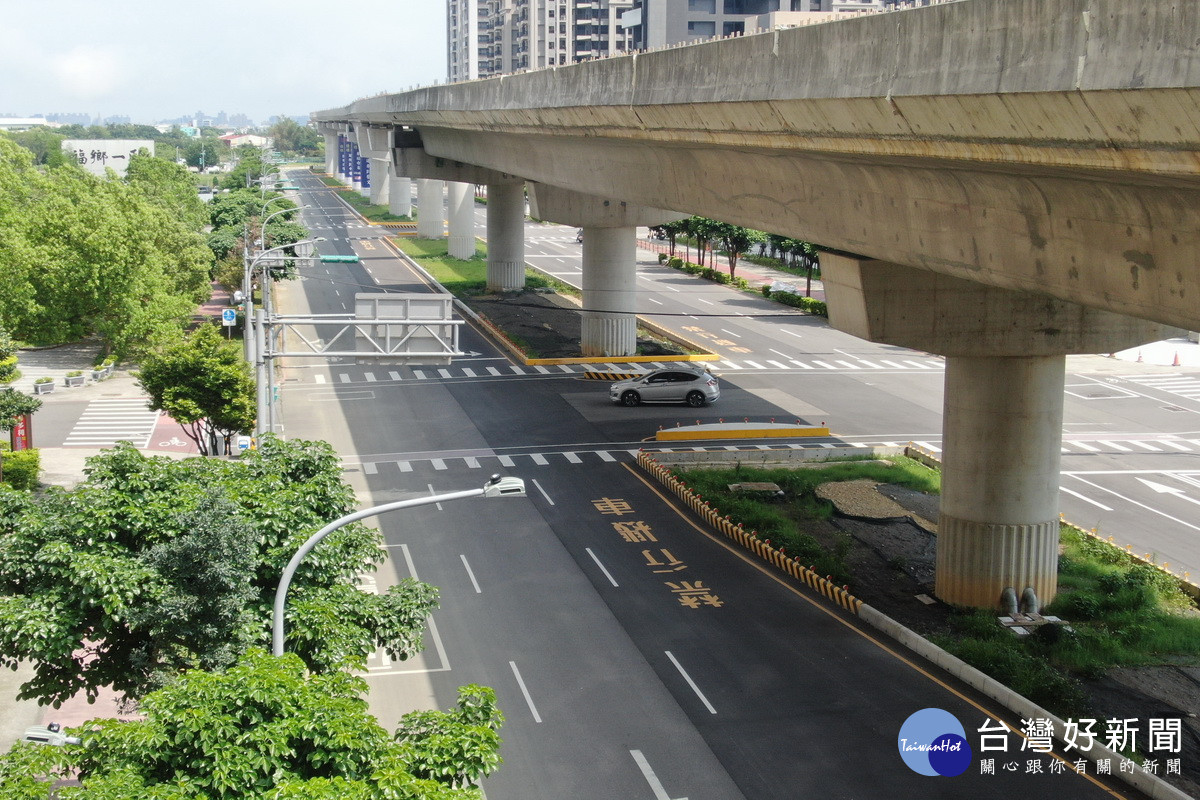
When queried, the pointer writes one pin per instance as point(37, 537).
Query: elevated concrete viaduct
point(1006, 182)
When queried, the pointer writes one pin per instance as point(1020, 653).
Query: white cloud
point(88, 72)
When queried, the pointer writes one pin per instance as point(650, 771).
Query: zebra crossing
point(509, 370)
point(109, 420)
point(563, 458)
point(1187, 386)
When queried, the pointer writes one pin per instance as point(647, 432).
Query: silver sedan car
point(690, 385)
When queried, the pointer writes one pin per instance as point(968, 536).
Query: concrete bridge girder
point(1127, 248)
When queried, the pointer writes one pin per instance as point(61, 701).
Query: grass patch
point(782, 520)
point(369, 210)
point(464, 278)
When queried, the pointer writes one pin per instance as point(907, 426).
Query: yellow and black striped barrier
point(600, 375)
point(749, 539)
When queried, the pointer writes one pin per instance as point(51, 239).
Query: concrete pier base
point(399, 194)
point(380, 185)
point(461, 212)
point(506, 237)
point(331, 153)
point(1002, 429)
point(609, 326)
point(431, 213)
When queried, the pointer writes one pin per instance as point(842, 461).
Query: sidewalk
point(755, 274)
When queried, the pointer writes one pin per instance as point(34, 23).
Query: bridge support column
point(609, 261)
point(364, 175)
point(431, 213)
point(1002, 438)
point(399, 194)
point(506, 237)
point(332, 142)
point(380, 184)
point(461, 207)
point(609, 292)
point(1002, 423)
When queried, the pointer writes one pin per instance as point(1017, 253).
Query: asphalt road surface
point(634, 655)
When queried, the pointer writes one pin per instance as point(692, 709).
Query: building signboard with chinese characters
point(97, 155)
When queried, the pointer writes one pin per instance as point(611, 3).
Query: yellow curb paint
point(676, 434)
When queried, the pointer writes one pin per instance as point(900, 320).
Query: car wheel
point(695, 399)
point(630, 398)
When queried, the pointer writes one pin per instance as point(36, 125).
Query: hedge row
point(708, 273)
point(20, 469)
point(815, 307)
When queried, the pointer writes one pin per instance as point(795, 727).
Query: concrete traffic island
point(739, 430)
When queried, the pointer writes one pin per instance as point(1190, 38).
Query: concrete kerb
point(1151, 785)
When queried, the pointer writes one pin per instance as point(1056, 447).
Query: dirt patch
point(548, 324)
point(892, 559)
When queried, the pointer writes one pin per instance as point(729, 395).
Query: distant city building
point(24, 123)
point(116, 120)
point(99, 155)
point(70, 118)
point(494, 37)
point(240, 139)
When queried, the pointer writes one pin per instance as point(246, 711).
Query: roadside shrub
point(815, 307)
point(1029, 675)
point(8, 368)
point(662, 258)
point(21, 468)
point(675, 262)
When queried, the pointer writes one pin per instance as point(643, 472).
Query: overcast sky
point(161, 59)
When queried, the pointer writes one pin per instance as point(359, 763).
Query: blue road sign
point(228, 317)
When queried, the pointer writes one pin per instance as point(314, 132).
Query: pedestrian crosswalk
point(484, 460)
point(1187, 386)
point(368, 374)
point(109, 420)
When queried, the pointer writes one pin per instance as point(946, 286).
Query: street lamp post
point(495, 487)
point(264, 382)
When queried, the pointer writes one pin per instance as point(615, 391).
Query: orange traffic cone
point(1175, 363)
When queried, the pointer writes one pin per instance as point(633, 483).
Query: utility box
point(406, 327)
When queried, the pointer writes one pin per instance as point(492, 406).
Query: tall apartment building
point(655, 23)
point(493, 37)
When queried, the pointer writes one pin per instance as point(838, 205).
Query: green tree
point(82, 255)
point(8, 356)
point(265, 729)
point(14, 405)
point(170, 186)
point(91, 580)
point(291, 137)
point(204, 384)
point(44, 143)
point(736, 240)
point(250, 168)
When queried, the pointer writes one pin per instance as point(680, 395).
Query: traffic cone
point(1175, 363)
point(1139, 357)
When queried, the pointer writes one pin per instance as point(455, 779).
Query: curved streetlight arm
point(262, 228)
point(284, 246)
point(496, 487)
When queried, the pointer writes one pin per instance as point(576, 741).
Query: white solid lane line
point(691, 682)
point(470, 574)
point(529, 700)
point(607, 574)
